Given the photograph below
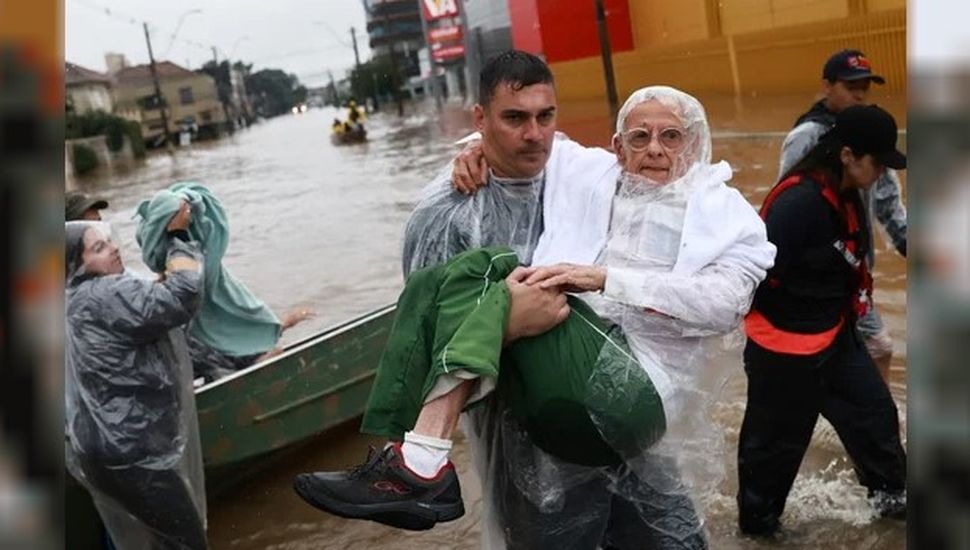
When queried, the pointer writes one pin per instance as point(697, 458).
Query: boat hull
point(313, 386)
point(353, 136)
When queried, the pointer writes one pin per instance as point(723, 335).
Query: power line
point(296, 53)
point(133, 20)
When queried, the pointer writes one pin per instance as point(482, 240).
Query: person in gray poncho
point(131, 429)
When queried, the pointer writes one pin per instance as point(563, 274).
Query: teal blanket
point(232, 320)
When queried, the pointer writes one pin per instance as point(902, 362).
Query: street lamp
point(232, 51)
point(179, 26)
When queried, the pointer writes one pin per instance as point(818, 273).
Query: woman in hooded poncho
point(131, 429)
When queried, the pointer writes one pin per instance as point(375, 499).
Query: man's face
point(91, 214)
point(517, 129)
point(842, 94)
point(653, 143)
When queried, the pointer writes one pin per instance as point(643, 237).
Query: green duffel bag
point(580, 393)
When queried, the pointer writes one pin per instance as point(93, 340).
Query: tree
point(375, 77)
point(220, 73)
point(274, 92)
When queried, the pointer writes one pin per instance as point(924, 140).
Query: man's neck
point(497, 176)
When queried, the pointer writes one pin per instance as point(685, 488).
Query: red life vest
point(761, 330)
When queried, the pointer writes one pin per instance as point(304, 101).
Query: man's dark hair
point(516, 68)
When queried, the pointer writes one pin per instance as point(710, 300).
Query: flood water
point(319, 226)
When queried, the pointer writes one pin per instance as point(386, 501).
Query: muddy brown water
point(319, 226)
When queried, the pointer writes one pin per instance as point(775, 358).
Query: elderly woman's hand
point(469, 169)
point(569, 277)
point(296, 317)
point(182, 219)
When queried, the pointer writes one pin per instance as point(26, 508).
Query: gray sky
point(938, 32)
point(298, 36)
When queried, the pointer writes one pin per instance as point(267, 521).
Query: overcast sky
point(304, 37)
point(938, 32)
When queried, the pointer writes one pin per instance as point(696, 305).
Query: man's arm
point(797, 144)
point(889, 209)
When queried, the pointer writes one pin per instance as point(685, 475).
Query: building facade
point(191, 100)
point(750, 47)
point(489, 32)
point(396, 25)
point(86, 91)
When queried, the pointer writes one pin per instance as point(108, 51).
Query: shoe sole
point(413, 516)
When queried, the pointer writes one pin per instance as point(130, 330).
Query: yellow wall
point(883, 5)
point(742, 16)
point(786, 59)
point(662, 22)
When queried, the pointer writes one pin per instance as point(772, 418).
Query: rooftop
point(139, 74)
point(76, 75)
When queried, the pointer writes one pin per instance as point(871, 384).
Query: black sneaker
point(385, 490)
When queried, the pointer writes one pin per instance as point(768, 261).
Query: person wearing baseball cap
point(846, 79)
point(79, 206)
point(803, 355)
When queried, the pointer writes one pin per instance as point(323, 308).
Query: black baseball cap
point(850, 65)
point(868, 129)
point(77, 203)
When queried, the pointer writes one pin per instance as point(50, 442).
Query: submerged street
point(320, 226)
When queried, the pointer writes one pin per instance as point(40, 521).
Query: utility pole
point(607, 53)
point(353, 38)
point(333, 89)
point(360, 75)
point(158, 89)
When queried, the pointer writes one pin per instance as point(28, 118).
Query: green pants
point(576, 389)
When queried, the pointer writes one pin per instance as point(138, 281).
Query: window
point(149, 102)
point(185, 95)
point(206, 116)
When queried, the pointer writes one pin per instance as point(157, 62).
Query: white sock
point(425, 455)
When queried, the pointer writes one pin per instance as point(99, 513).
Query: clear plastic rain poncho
point(445, 222)
point(132, 435)
point(683, 261)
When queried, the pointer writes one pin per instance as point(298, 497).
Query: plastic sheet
point(131, 430)
point(505, 212)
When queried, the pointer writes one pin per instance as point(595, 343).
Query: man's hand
point(569, 277)
point(469, 169)
point(532, 310)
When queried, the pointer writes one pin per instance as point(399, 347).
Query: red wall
point(524, 15)
point(568, 28)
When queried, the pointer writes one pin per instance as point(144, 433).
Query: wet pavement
point(321, 226)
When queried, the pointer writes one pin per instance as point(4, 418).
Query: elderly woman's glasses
point(638, 139)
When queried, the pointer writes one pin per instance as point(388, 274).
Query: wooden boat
point(316, 384)
point(357, 135)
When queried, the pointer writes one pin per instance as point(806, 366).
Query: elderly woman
point(679, 259)
point(130, 423)
point(233, 329)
